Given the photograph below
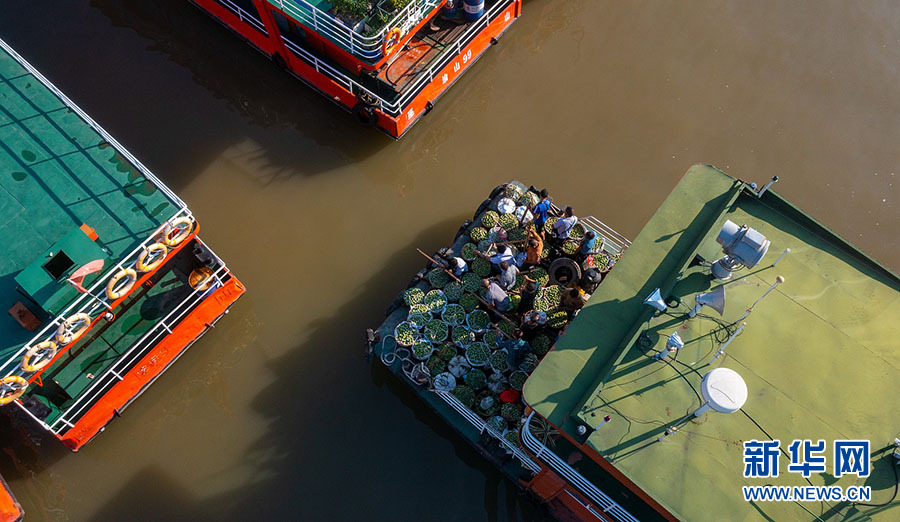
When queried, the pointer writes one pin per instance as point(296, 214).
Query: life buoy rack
point(114, 293)
point(157, 252)
point(43, 351)
point(11, 388)
point(177, 231)
point(391, 41)
point(66, 333)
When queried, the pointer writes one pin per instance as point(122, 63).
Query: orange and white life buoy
point(391, 41)
point(177, 231)
point(72, 328)
point(38, 356)
point(114, 290)
point(11, 388)
point(156, 252)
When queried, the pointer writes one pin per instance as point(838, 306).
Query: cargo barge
point(644, 405)
point(386, 61)
point(104, 277)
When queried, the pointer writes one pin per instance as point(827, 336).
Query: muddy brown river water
point(275, 414)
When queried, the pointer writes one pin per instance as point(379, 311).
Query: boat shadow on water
point(179, 128)
point(345, 440)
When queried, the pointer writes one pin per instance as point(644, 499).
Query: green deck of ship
point(107, 342)
point(57, 173)
point(818, 355)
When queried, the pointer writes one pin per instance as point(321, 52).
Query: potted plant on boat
point(487, 404)
point(465, 395)
point(511, 412)
point(476, 379)
point(351, 13)
point(385, 11)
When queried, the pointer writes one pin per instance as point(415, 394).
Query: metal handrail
point(610, 240)
point(244, 16)
point(87, 119)
point(138, 349)
point(588, 506)
point(481, 426)
point(608, 505)
point(611, 236)
point(88, 302)
point(368, 47)
point(396, 108)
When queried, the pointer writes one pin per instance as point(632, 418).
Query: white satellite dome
point(724, 391)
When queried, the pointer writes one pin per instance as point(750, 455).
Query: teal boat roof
point(818, 355)
point(59, 171)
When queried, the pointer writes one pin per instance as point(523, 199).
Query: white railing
point(94, 125)
point(588, 506)
point(608, 239)
point(115, 373)
point(367, 47)
point(396, 108)
point(244, 16)
point(606, 504)
point(482, 426)
point(90, 303)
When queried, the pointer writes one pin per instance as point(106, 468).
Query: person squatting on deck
point(533, 321)
point(516, 349)
point(564, 225)
point(572, 300)
point(508, 273)
point(495, 296)
point(586, 246)
point(457, 264)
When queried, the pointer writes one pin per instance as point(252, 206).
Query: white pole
point(786, 252)
point(778, 281)
point(769, 184)
point(702, 409)
point(101, 301)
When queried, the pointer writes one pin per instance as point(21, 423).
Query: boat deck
point(818, 354)
point(56, 174)
point(422, 50)
point(106, 343)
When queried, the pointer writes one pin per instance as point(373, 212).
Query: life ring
point(114, 293)
point(391, 41)
point(157, 251)
point(44, 352)
point(366, 114)
point(181, 227)
point(65, 334)
point(11, 388)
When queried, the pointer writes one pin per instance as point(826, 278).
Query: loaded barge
point(651, 403)
point(104, 277)
point(386, 61)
